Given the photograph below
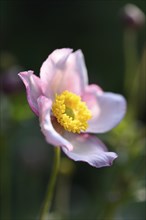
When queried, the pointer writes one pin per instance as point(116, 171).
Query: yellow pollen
point(71, 112)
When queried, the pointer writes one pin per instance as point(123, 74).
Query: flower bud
point(132, 17)
point(9, 81)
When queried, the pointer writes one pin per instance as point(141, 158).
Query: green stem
point(51, 185)
point(131, 67)
point(131, 58)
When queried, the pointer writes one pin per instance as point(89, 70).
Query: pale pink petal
point(52, 69)
point(89, 149)
point(76, 77)
point(59, 57)
point(51, 135)
point(33, 86)
point(93, 88)
point(64, 70)
point(107, 110)
point(55, 60)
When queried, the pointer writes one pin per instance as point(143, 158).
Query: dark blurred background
point(30, 31)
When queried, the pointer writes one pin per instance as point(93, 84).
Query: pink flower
point(69, 109)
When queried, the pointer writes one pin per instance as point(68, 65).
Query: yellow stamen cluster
point(71, 112)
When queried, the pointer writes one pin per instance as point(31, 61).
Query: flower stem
point(131, 58)
point(51, 185)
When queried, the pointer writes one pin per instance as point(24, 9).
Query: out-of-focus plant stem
point(138, 90)
point(131, 57)
point(51, 186)
point(64, 187)
point(134, 72)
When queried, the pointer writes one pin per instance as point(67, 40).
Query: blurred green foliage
point(29, 32)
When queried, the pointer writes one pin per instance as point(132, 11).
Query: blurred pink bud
point(132, 16)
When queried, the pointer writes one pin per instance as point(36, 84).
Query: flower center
point(71, 112)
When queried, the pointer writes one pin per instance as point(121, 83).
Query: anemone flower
point(70, 111)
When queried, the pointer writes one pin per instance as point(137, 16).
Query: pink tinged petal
point(93, 88)
point(107, 110)
point(56, 59)
point(52, 137)
point(59, 56)
point(76, 77)
point(33, 86)
point(89, 149)
point(64, 70)
point(51, 72)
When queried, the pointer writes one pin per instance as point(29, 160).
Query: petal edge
point(107, 109)
point(51, 135)
point(33, 86)
point(90, 149)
